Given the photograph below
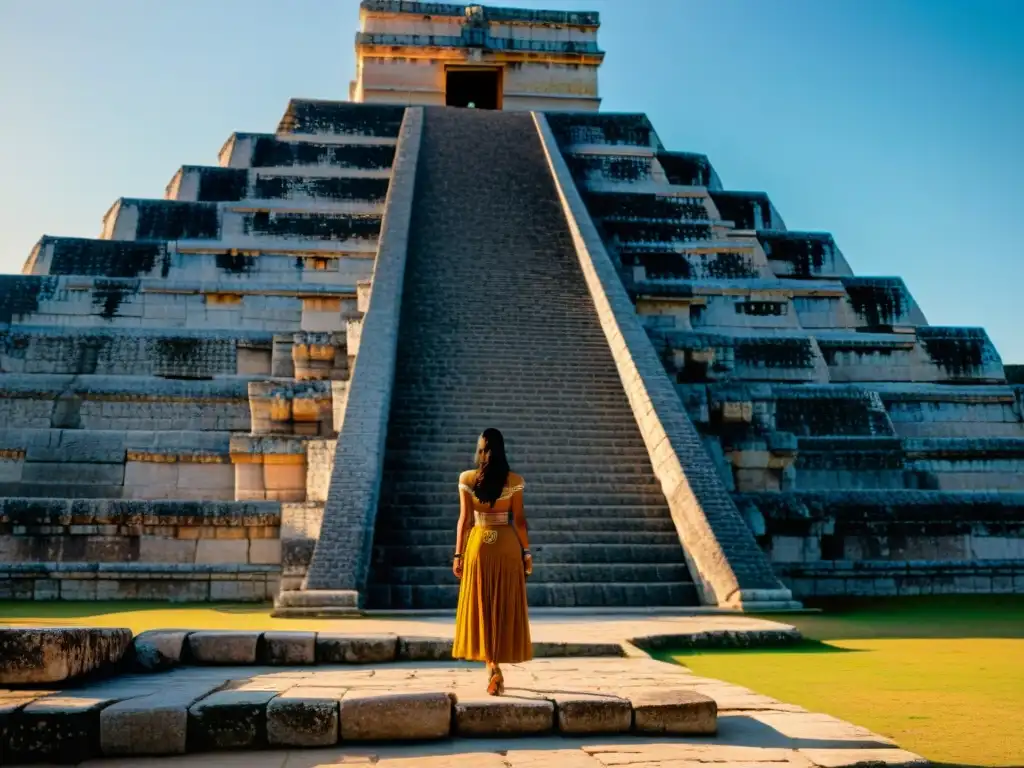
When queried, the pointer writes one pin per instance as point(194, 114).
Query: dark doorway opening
point(479, 87)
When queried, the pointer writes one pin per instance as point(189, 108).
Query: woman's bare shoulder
point(515, 479)
point(467, 477)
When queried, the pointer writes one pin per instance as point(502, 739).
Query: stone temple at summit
point(263, 385)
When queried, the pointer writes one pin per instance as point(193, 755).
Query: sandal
point(496, 684)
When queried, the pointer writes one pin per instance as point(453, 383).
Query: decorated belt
point(491, 518)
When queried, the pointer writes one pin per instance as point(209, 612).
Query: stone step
point(579, 499)
point(459, 458)
point(658, 521)
point(387, 536)
point(588, 485)
point(603, 594)
point(534, 473)
point(517, 430)
point(554, 573)
point(567, 554)
point(524, 416)
point(519, 443)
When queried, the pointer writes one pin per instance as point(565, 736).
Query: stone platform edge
point(32, 657)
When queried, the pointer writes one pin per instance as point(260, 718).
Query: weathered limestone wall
point(723, 558)
point(163, 550)
point(341, 557)
point(888, 543)
point(805, 381)
point(177, 383)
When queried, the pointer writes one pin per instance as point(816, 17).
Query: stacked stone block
point(804, 378)
point(198, 351)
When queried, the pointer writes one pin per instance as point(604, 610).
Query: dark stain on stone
point(961, 352)
point(270, 152)
point(222, 184)
point(336, 189)
point(655, 231)
point(108, 295)
point(236, 263)
point(107, 258)
point(645, 206)
point(775, 353)
point(805, 251)
point(594, 128)
point(339, 117)
point(614, 168)
point(176, 220)
point(21, 294)
point(742, 208)
point(315, 226)
point(686, 168)
point(879, 302)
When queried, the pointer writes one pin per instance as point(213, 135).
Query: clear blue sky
point(898, 125)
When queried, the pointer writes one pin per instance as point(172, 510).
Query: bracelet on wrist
point(526, 553)
point(458, 555)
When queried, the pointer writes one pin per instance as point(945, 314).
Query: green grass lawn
point(942, 676)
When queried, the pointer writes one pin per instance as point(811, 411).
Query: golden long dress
point(492, 622)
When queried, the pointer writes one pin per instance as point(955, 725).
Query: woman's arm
point(460, 530)
point(522, 533)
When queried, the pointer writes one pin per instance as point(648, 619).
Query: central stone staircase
point(498, 330)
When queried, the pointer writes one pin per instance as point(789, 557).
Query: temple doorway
point(479, 88)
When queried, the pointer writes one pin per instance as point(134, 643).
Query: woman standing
point(492, 624)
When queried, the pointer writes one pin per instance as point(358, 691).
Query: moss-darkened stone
point(882, 515)
point(805, 251)
point(609, 167)
point(342, 117)
point(775, 353)
point(236, 263)
point(747, 210)
point(595, 128)
point(106, 258)
point(655, 231)
point(1014, 373)
point(271, 152)
point(872, 454)
point(21, 294)
point(315, 226)
point(108, 295)
point(729, 265)
point(839, 411)
point(659, 264)
point(331, 188)
point(961, 352)
point(175, 220)
point(222, 184)
point(644, 206)
point(878, 301)
point(686, 168)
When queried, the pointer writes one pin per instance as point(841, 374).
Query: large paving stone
point(229, 720)
point(388, 716)
point(548, 650)
point(584, 713)
point(37, 656)
point(289, 648)
point(424, 649)
point(336, 648)
point(679, 712)
point(156, 724)
point(224, 647)
point(863, 758)
point(62, 728)
point(159, 649)
point(303, 717)
point(502, 716)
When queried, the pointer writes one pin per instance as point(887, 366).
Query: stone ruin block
point(317, 356)
point(270, 467)
point(291, 408)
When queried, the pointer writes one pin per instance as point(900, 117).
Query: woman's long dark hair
point(492, 467)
